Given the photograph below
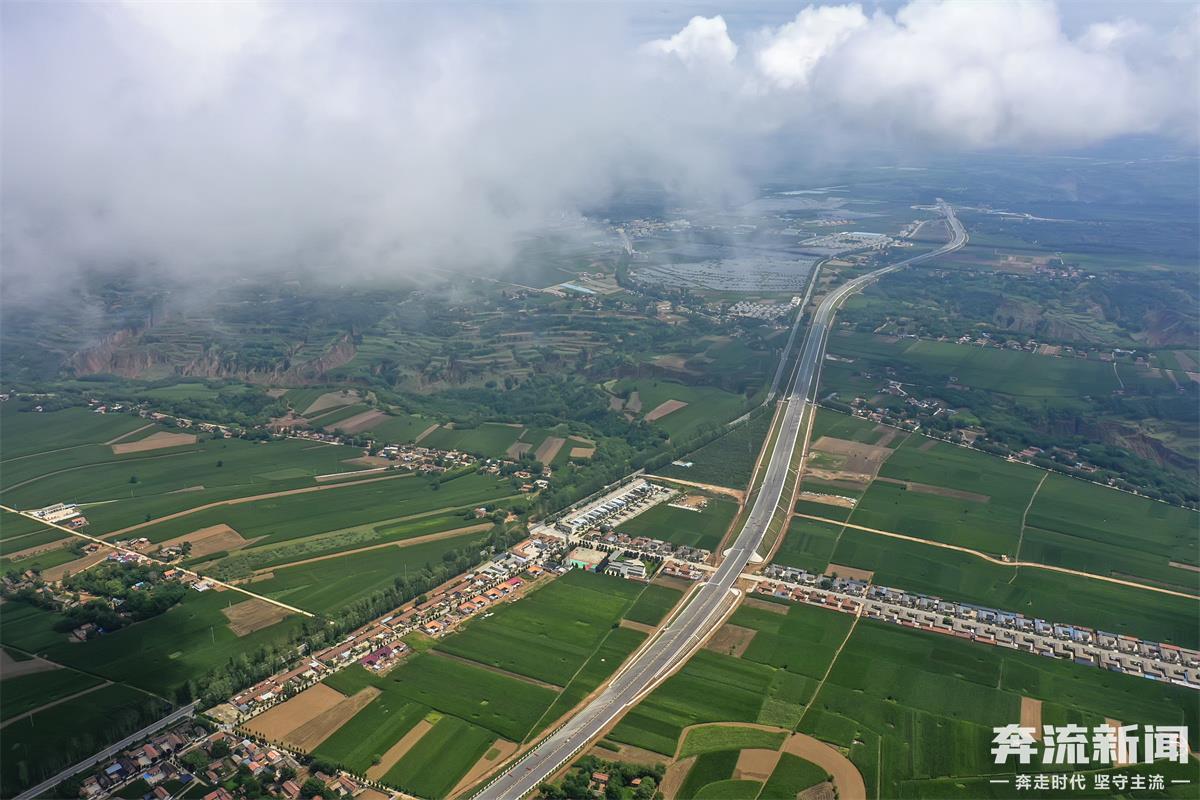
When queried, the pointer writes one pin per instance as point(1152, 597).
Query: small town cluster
point(1115, 652)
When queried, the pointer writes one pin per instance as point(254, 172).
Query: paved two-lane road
point(697, 619)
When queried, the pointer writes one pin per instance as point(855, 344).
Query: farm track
point(429, 537)
point(51, 704)
point(184, 570)
point(1001, 562)
point(238, 500)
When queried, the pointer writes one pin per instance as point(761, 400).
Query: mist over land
point(201, 140)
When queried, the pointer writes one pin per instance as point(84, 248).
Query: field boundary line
point(233, 501)
point(53, 703)
point(127, 435)
point(423, 539)
point(1001, 562)
point(1024, 517)
point(184, 570)
point(821, 685)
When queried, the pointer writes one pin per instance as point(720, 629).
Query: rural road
point(692, 624)
point(47, 785)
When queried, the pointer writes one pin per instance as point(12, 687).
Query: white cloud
point(788, 54)
point(975, 74)
point(382, 137)
point(703, 41)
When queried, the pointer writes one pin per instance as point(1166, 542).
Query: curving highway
point(656, 659)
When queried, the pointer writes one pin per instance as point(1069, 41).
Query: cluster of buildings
point(66, 514)
point(151, 761)
point(1115, 652)
point(378, 647)
point(765, 311)
point(648, 546)
point(619, 505)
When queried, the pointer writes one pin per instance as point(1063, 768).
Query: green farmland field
point(1037, 593)
point(440, 758)
point(709, 768)
point(986, 516)
point(1089, 527)
point(490, 439)
point(710, 688)
point(653, 604)
point(39, 746)
point(25, 433)
point(791, 776)
point(505, 705)
point(370, 732)
point(710, 738)
point(705, 404)
point(808, 544)
point(549, 634)
point(160, 654)
point(24, 693)
point(727, 461)
point(284, 518)
point(703, 529)
point(325, 586)
point(1010, 372)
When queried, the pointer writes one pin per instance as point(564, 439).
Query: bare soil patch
point(548, 449)
point(673, 780)
point(731, 640)
point(756, 764)
point(822, 791)
point(940, 491)
point(276, 723)
point(155, 441)
point(360, 422)
point(615, 403)
point(321, 727)
point(331, 400)
point(856, 457)
point(500, 751)
point(887, 435)
point(766, 605)
point(369, 461)
point(78, 565)
point(1031, 715)
point(850, 572)
point(634, 403)
point(11, 668)
point(582, 452)
point(628, 754)
point(828, 499)
point(426, 432)
point(1181, 565)
point(518, 449)
point(846, 777)
point(673, 582)
point(397, 751)
point(582, 440)
point(252, 615)
point(206, 541)
point(664, 408)
point(278, 391)
point(637, 626)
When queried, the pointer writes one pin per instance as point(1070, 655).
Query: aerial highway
point(662, 654)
